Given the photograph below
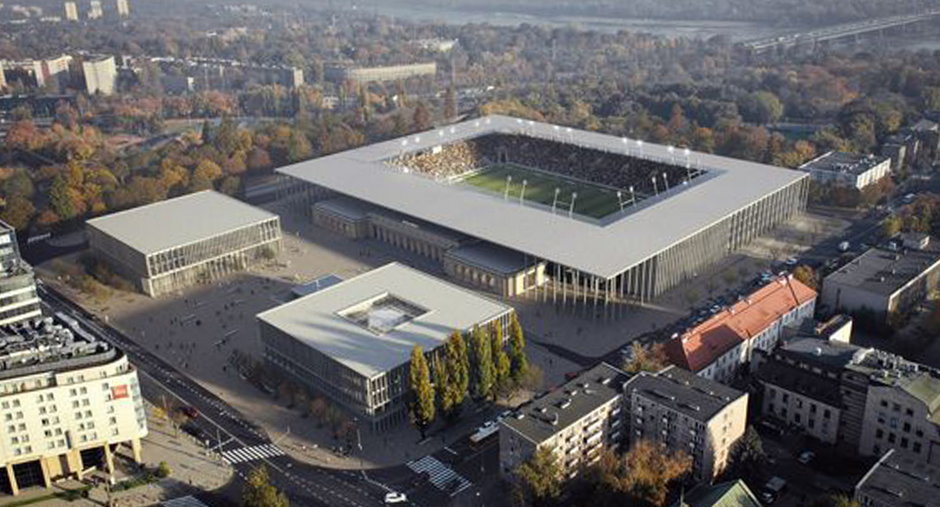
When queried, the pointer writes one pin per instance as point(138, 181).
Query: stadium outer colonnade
point(644, 281)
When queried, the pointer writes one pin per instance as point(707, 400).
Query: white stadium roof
point(603, 249)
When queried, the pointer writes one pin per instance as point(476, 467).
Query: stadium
point(523, 207)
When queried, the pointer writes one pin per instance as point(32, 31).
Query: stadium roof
point(187, 219)
point(318, 320)
point(602, 249)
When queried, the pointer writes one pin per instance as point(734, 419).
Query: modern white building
point(196, 238)
point(352, 341)
point(848, 169)
point(123, 8)
point(71, 11)
point(718, 347)
point(18, 298)
point(94, 10)
point(68, 402)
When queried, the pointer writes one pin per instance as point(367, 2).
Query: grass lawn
point(592, 201)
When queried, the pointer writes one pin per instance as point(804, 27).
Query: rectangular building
point(848, 169)
point(898, 479)
point(100, 75)
point(576, 421)
point(18, 298)
point(352, 341)
point(717, 348)
point(95, 11)
point(883, 281)
point(66, 399)
point(123, 8)
point(71, 11)
point(166, 246)
point(688, 413)
point(342, 73)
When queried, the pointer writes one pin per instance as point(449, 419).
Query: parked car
point(773, 489)
point(806, 457)
point(844, 246)
point(188, 411)
point(791, 261)
point(393, 497)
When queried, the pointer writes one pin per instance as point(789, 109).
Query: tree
point(259, 492)
point(422, 404)
point(540, 476)
point(806, 275)
point(517, 358)
point(834, 500)
point(456, 374)
point(650, 358)
point(641, 477)
point(747, 458)
point(481, 365)
point(163, 470)
point(501, 364)
point(17, 212)
point(891, 226)
point(422, 117)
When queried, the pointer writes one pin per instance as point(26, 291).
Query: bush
point(163, 470)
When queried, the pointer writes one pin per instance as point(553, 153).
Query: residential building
point(902, 407)
point(848, 169)
point(883, 281)
point(352, 341)
point(575, 421)
point(688, 413)
point(167, 246)
point(929, 134)
point(899, 479)
point(67, 401)
point(94, 10)
point(123, 8)
point(100, 75)
point(18, 298)
point(3, 78)
point(801, 386)
point(344, 72)
point(71, 11)
point(717, 348)
point(726, 494)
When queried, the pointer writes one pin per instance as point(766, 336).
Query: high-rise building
point(18, 298)
point(95, 11)
point(123, 9)
point(67, 402)
point(71, 11)
point(3, 77)
point(100, 75)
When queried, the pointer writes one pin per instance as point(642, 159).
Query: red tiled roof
point(698, 347)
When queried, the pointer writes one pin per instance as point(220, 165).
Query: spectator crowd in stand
point(605, 168)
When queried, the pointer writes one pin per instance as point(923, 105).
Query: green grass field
point(592, 201)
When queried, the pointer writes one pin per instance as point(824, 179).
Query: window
point(891, 438)
point(879, 433)
point(916, 447)
point(907, 427)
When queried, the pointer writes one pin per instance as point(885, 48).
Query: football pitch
point(592, 200)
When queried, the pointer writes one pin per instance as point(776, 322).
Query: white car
point(806, 457)
point(394, 497)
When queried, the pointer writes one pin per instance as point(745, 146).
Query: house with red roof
point(718, 347)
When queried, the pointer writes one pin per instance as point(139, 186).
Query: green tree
point(517, 358)
point(62, 197)
point(482, 372)
point(163, 470)
point(891, 226)
point(259, 492)
point(834, 500)
point(540, 477)
point(422, 404)
point(500, 360)
point(18, 211)
point(806, 275)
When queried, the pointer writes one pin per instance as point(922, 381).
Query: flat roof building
point(672, 212)
point(848, 169)
point(576, 421)
point(718, 347)
point(352, 341)
point(347, 72)
point(18, 298)
point(899, 479)
point(66, 399)
point(169, 245)
point(687, 413)
point(883, 281)
point(100, 74)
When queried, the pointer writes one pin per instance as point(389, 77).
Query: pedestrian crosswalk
point(252, 453)
point(442, 476)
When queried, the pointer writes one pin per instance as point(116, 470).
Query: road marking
point(448, 449)
point(253, 453)
point(441, 475)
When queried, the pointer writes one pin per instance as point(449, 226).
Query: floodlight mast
point(574, 195)
point(522, 194)
point(508, 183)
point(555, 200)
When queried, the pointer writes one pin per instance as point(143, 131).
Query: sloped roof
point(726, 494)
point(701, 345)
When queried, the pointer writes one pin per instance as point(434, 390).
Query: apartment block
point(687, 413)
point(18, 298)
point(717, 348)
point(576, 421)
